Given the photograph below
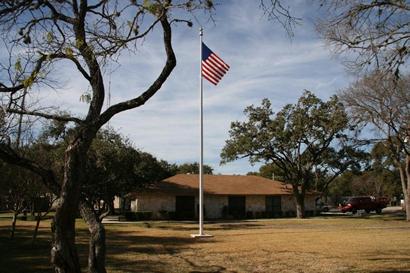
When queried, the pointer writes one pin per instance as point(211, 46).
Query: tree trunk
point(405, 177)
point(97, 247)
point(123, 203)
point(300, 206)
point(13, 224)
point(407, 206)
point(111, 206)
point(407, 197)
point(299, 202)
point(36, 228)
point(64, 255)
point(39, 216)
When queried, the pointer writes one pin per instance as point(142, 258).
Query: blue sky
point(264, 63)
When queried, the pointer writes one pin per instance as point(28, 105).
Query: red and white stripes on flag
point(213, 67)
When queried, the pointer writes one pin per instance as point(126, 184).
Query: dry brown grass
point(341, 244)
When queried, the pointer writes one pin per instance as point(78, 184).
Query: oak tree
point(301, 140)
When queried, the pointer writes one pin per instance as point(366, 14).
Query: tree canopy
point(193, 168)
point(303, 140)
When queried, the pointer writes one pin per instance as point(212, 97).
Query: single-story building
point(225, 196)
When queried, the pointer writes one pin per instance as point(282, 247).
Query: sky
point(264, 63)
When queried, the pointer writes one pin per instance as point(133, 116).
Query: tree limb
point(10, 156)
point(155, 86)
point(46, 116)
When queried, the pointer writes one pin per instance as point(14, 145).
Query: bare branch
point(275, 11)
point(155, 86)
point(375, 33)
point(10, 156)
point(46, 116)
point(58, 15)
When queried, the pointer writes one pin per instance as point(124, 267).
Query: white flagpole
point(201, 157)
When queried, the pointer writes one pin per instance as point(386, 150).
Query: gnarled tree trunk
point(64, 254)
point(97, 248)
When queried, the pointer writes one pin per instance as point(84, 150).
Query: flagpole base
point(201, 236)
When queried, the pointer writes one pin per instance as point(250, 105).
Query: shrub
point(166, 215)
point(138, 216)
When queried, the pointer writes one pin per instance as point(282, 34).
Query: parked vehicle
point(366, 203)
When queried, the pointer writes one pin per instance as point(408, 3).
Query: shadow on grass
point(391, 271)
point(133, 251)
point(19, 255)
point(397, 257)
point(136, 265)
point(192, 226)
point(125, 251)
point(123, 242)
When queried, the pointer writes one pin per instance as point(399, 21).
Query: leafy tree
point(383, 102)
point(116, 168)
point(193, 168)
point(341, 187)
point(302, 140)
point(382, 178)
point(374, 34)
point(368, 182)
point(376, 183)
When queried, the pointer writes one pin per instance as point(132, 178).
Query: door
point(273, 206)
point(237, 206)
point(184, 207)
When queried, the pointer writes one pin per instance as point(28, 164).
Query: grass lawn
point(378, 244)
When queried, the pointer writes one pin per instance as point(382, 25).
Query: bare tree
point(384, 102)
point(17, 198)
point(371, 33)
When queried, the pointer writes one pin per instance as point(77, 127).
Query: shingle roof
point(222, 185)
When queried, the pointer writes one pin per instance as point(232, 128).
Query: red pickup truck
point(366, 203)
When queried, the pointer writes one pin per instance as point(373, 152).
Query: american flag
point(213, 67)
